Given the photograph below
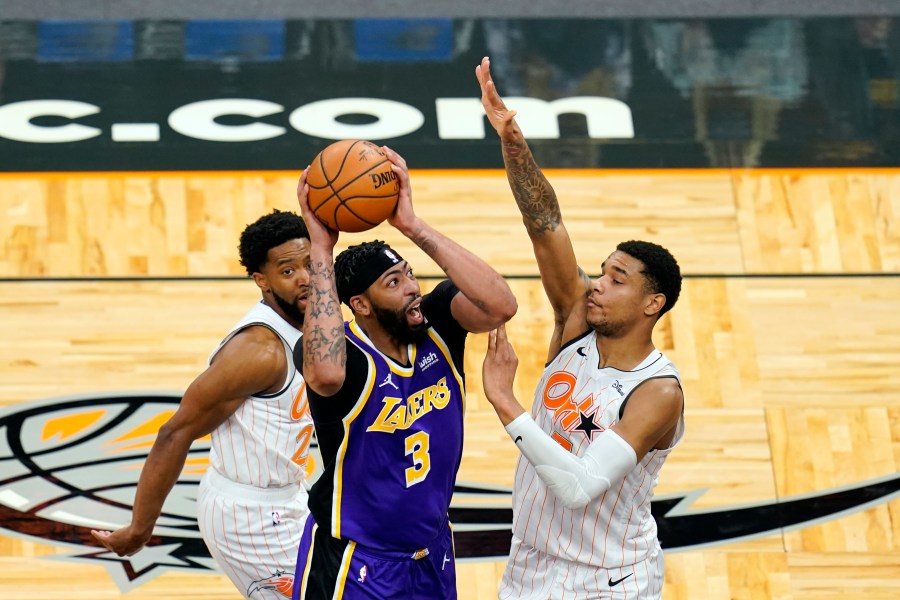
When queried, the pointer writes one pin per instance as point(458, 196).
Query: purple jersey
point(396, 465)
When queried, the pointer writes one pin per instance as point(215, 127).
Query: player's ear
point(655, 303)
point(261, 282)
point(360, 305)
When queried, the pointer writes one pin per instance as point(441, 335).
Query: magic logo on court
point(72, 464)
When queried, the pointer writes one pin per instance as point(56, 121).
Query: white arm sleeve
point(574, 480)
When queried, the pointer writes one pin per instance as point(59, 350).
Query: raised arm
point(564, 283)
point(485, 300)
point(324, 345)
point(251, 362)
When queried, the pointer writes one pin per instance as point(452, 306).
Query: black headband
point(368, 273)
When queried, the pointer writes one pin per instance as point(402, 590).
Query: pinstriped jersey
point(265, 442)
point(576, 401)
point(396, 465)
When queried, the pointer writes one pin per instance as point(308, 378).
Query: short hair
point(265, 233)
point(353, 266)
point(660, 270)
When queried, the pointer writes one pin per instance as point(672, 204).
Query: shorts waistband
point(243, 491)
point(433, 546)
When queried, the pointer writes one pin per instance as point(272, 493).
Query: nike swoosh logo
point(518, 439)
point(613, 583)
point(580, 351)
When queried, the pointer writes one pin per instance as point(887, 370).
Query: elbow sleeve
point(576, 481)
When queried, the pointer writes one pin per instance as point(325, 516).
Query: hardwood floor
point(787, 336)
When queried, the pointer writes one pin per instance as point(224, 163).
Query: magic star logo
point(69, 465)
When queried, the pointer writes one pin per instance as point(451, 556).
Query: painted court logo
point(72, 464)
point(69, 465)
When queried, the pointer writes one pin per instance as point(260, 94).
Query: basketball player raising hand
point(386, 391)
point(607, 410)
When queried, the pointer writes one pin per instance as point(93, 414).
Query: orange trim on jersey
point(301, 456)
point(342, 572)
point(300, 410)
point(342, 450)
point(300, 406)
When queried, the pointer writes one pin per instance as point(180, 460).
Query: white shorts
point(533, 575)
point(252, 533)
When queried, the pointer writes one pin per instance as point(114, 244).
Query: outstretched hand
point(123, 541)
point(403, 218)
point(499, 368)
point(318, 231)
point(501, 118)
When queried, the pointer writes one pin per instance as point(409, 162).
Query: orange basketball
point(352, 186)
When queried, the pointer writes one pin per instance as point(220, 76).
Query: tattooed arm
point(324, 343)
point(564, 282)
point(485, 301)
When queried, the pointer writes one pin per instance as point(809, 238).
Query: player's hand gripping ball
point(352, 186)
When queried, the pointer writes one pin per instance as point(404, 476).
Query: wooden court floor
point(787, 336)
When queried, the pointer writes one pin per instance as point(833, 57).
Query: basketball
point(352, 186)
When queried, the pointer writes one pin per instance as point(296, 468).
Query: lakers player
point(607, 411)
point(387, 394)
point(252, 502)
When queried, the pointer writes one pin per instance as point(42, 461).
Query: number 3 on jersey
point(417, 445)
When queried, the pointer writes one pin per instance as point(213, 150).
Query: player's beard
point(397, 326)
point(290, 309)
point(607, 328)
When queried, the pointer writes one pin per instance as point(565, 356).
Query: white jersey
point(575, 401)
point(265, 442)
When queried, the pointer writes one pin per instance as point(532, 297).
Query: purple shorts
point(331, 568)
